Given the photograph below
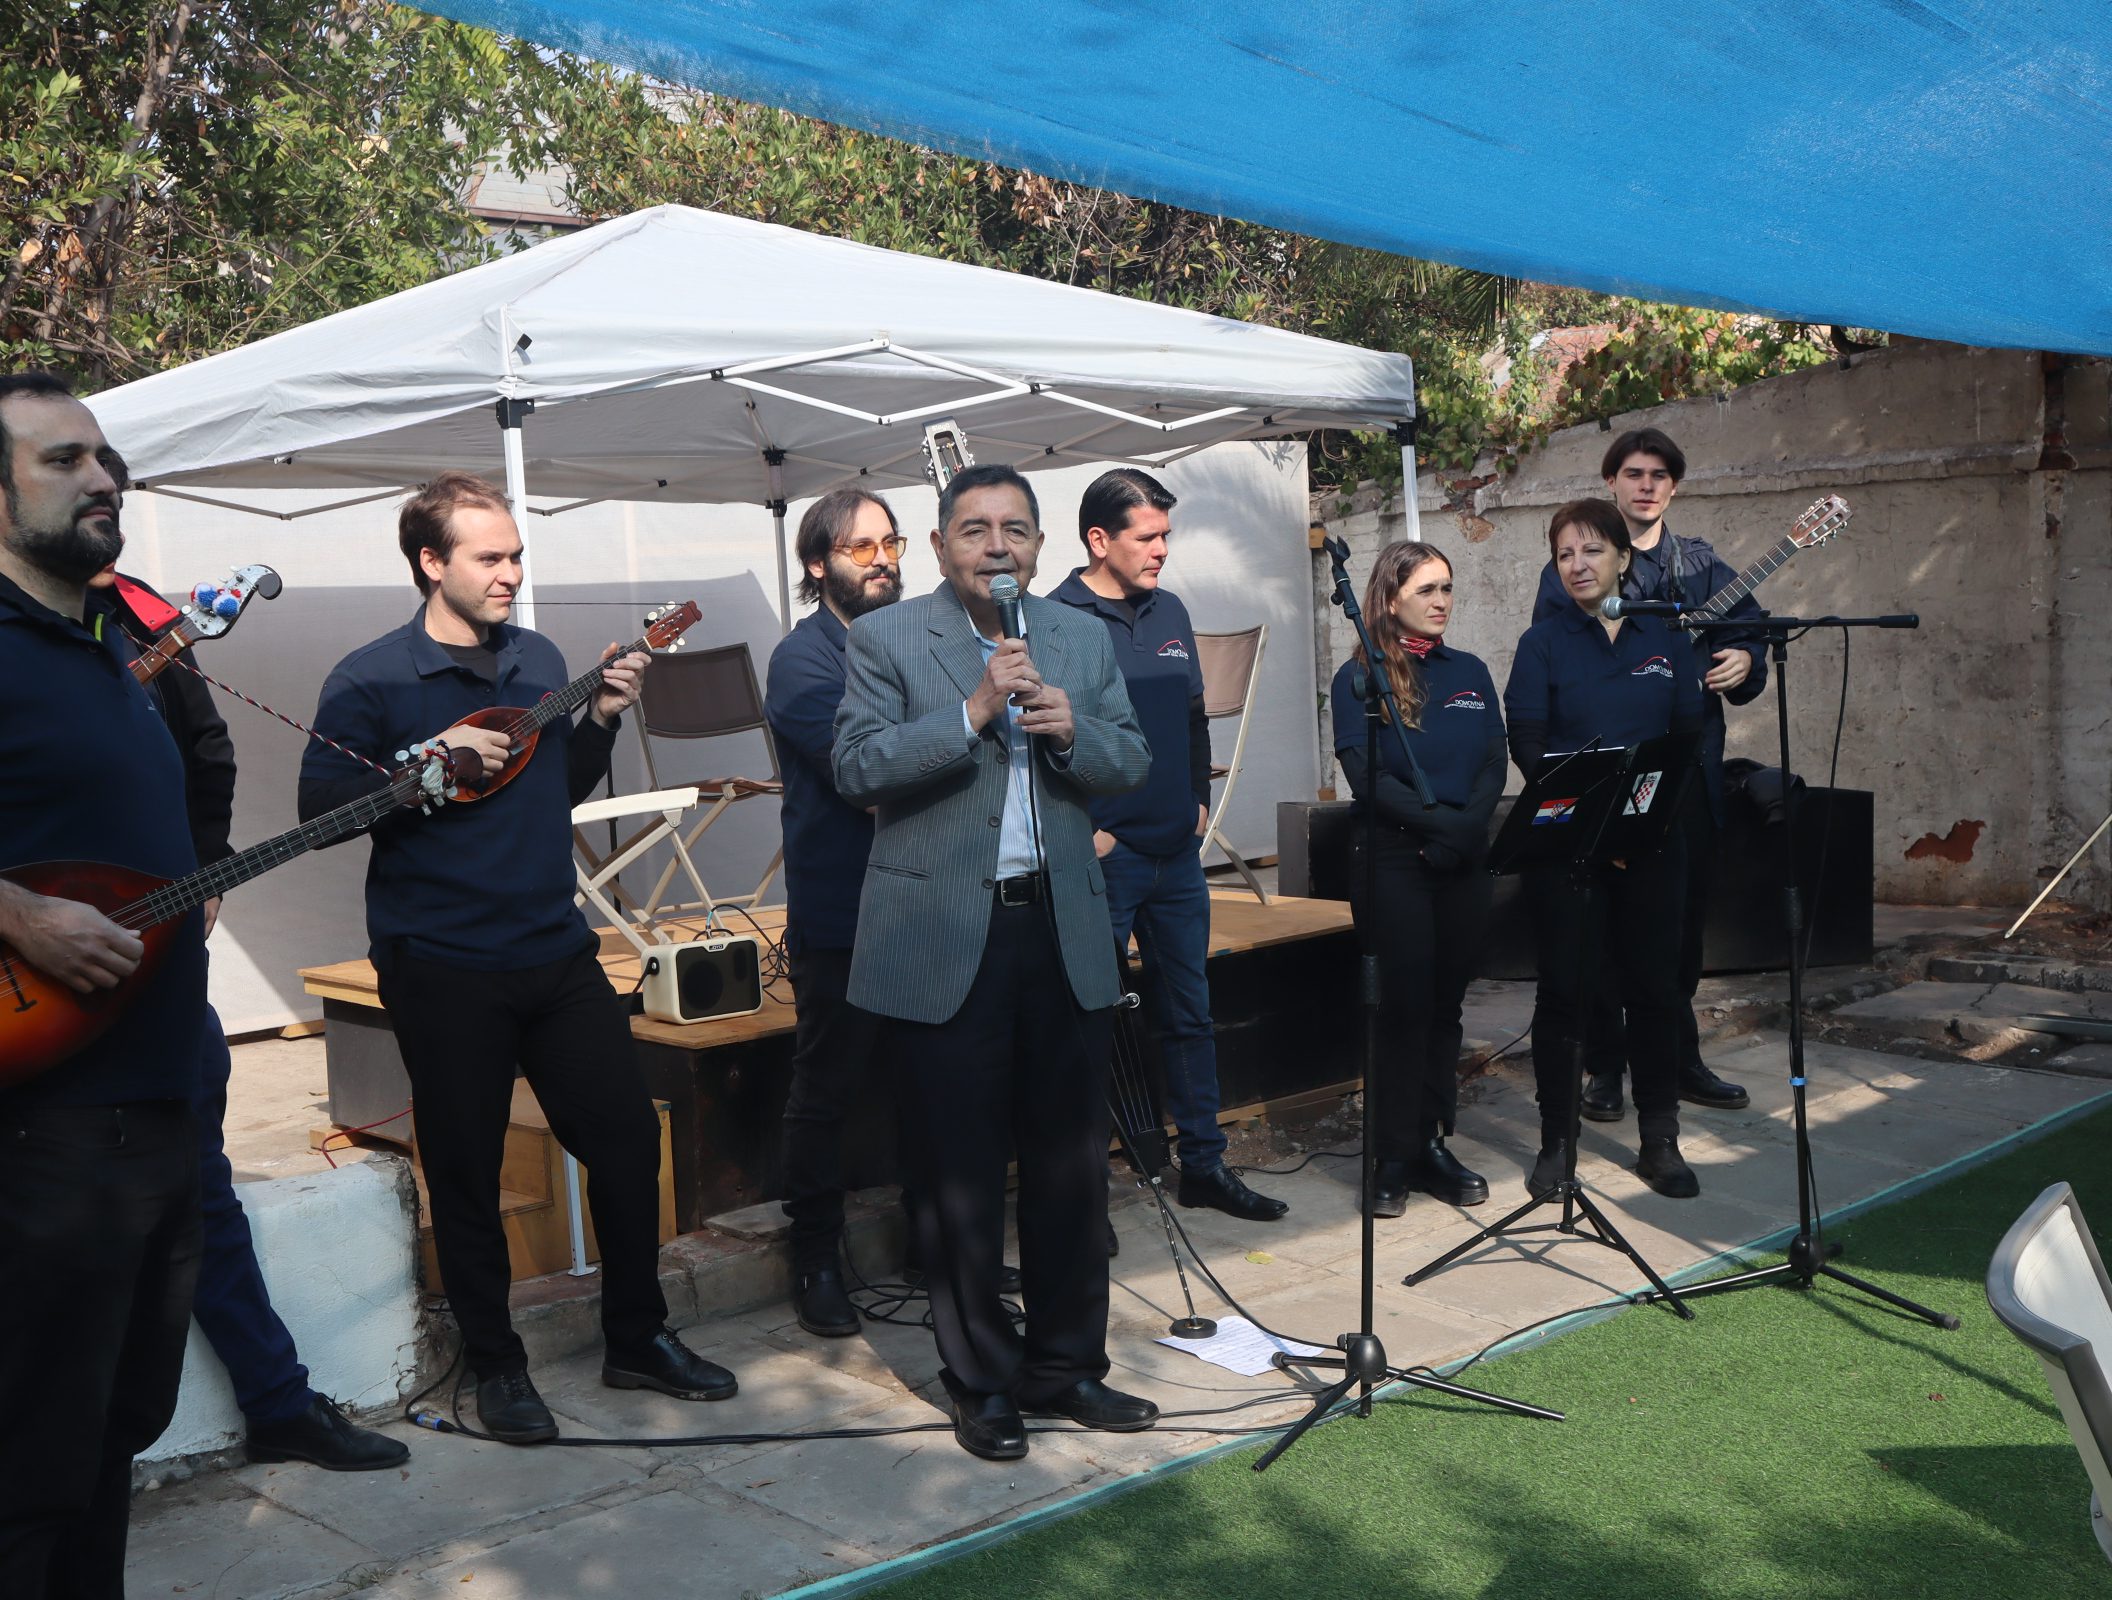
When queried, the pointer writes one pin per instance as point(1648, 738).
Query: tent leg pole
point(510, 414)
point(774, 458)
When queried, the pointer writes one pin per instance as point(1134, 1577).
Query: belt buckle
point(1023, 885)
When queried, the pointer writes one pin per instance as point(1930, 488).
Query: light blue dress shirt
point(1018, 849)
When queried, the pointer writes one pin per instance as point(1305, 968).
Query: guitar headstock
point(1823, 520)
point(945, 452)
point(664, 627)
point(214, 607)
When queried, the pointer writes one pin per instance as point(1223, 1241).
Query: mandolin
point(43, 1021)
point(664, 630)
point(212, 610)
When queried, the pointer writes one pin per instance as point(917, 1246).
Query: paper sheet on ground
point(1238, 1346)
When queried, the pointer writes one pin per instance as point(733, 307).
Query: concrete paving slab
point(902, 1491)
point(674, 1543)
point(1986, 1014)
point(450, 1486)
point(218, 1539)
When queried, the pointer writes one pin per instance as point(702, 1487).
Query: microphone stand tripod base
point(1192, 1328)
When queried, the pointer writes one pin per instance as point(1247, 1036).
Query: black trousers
point(1428, 936)
point(1020, 1064)
point(98, 1255)
point(462, 1033)
point(1621, 938)
point(836, 1051)
point(1609, 1038)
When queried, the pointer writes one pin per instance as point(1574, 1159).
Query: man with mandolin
point(483, 960)
point(99, 1175)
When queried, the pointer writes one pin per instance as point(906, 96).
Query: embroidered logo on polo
point(1173, 650)
point(1465, 700)
point(1657, 665)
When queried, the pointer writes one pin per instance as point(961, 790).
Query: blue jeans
point(1166, 902)
point(233, 1306)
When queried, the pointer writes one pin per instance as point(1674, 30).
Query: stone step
point(2043, 972)
point(1985, 1018)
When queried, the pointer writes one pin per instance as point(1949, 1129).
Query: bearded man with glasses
point(850, 552)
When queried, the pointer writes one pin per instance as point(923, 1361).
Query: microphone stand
point(1810, 1252)
point(1363, 1363)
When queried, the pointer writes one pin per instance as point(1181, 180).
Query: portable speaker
point(720, 977)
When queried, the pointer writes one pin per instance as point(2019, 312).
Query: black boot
point(821, 1303)
point(512, 1412)
point(1602, 1098)
point(1699, 1086)
point(1662, 1167)
point(1549, 1168)
point(325, 1437)
point(1436, 1170)
point(1389, 1189)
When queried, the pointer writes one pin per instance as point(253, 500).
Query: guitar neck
point(148, 664)
point(172, 900)
point(1750, 579)
point(572, 696)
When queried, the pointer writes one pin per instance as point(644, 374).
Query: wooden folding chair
point(1231, 664)
point(600, 874)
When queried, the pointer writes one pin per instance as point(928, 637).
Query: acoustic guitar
point(43, 1021)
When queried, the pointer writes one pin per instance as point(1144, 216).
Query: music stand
point(1586, 811)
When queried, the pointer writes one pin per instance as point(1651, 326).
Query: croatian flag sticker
point(1644, 792)
point(1555, 811)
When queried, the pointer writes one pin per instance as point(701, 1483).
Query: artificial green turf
point(1784, 1444)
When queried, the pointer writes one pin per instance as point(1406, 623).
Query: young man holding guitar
point(484, 961)
point(98, 1164)
point(1642, 470)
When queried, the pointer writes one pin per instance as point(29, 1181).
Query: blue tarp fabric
point(1932, 167)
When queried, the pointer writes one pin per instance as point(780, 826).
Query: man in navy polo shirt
point(1150, 839)
point(1642, 470)
point(98, 1168)
point(483, 960)
point(850, 548)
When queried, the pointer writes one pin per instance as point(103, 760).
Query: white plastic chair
point(1231, 664)
point(2047, 1285)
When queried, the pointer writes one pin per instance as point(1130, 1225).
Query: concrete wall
point(1981, 486)
point(339, 1253)
point(1238, 558)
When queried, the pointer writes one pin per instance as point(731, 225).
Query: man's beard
point(72, 554)
point(852, 595)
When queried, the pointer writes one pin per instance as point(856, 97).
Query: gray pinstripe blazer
point(924, 912)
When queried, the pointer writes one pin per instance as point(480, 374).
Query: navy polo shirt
point(92, 775)
point(1154, 644)
point(1461, 718)
point(1579, 685)
point(827, 839)
point(488, 884)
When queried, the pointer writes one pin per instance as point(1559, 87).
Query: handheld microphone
point(1004, 594)
point(1613, 606)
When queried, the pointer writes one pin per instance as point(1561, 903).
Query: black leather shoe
point(325, 1437)
point(1092, 1404)
point(1224, 1190)
point(1662, 1167)
point(512, 1412)
point(1602, 1098)
point(1549, 1168)
point(670, 1366)
point(1389, 1189)
point(822, 1306)
point(986, 1425)
point(1699, 1086)
point(1436, 1170)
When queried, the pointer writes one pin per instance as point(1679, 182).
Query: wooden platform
point(1282, 991)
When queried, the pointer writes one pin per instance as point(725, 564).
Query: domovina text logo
point(1173, 650)
point(1465, 700)
point(1657, 665)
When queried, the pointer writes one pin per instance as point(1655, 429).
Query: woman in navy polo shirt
point(1577, 677)
point(1433, 897)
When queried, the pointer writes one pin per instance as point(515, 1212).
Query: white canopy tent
point(680, 355)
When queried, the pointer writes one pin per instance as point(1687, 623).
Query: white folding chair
point(600, 875)
point(2047, 1285)
point(1231, 664)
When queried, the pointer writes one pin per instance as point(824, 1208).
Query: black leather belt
point(1024, 890)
